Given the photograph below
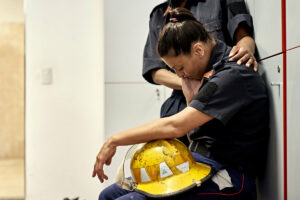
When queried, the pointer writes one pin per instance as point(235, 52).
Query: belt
point(203, 155)
point(200, 149)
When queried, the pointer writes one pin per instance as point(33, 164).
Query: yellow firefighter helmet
point(164, 168)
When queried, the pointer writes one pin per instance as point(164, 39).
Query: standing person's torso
point(210, 13)
point(221, 18)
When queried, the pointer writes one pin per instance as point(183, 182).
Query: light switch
point(46, 76)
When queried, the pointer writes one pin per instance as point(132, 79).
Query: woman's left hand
point(104, 157)
point(242, 55)
point(190, 87)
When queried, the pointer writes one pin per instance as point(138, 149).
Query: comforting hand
point(190, 88)
point(104, 157)
point(243, 55)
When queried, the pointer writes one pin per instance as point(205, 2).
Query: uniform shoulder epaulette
point(163, 6)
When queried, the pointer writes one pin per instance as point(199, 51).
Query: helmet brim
point(174, 185)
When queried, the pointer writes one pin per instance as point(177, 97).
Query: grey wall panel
point(251, 7)
point(292, 23)
point(293, 99)
point(267, 23)
point(126, 28)
point(127, 106)
point(129, 100)
point(293, 136)
point(271, 183)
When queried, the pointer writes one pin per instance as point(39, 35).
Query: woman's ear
point(198, 49)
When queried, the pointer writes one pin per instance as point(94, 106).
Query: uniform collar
point(219, 54)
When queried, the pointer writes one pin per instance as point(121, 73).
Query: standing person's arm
point(166, 78)
point(244, 49)
point(240, 28)
point(154, 70)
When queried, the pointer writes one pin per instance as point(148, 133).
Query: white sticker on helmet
point(144, 176)
point(165, 171)
point(184, 167)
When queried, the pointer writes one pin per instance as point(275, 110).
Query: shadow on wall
point(269, 182)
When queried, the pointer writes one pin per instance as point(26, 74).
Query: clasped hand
point(190, 87)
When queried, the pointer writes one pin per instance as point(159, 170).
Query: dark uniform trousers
point(244, 189)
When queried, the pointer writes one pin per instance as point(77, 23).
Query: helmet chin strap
point(121, 181)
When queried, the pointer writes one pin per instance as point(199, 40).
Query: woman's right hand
point(104, 157)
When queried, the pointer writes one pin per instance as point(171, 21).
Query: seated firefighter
point(226, 20)
point(227, 115)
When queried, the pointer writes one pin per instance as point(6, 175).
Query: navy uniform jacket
point(236, 97)
point(220, 18)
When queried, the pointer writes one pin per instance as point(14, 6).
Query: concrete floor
point(12, 179)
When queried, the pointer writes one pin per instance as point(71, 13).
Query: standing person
point(226, 20)
point(230, 105)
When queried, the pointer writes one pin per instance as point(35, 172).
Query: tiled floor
point(12, 179)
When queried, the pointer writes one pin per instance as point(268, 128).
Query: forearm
point(243, 39)
point(166, 78)
point(169, 127)
point(174, 126)
point(156, 129)
point(248, 43)
point(244, 49)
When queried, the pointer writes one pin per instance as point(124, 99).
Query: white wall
point(11, 11)
point(64, 119)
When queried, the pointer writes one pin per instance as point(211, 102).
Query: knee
point(112, 192)
point(106, 194)
point(103, 195)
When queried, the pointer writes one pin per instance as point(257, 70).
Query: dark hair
point(180, 31)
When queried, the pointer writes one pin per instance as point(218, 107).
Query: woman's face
point(192, 65)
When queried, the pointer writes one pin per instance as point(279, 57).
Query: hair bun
point(179, 15)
